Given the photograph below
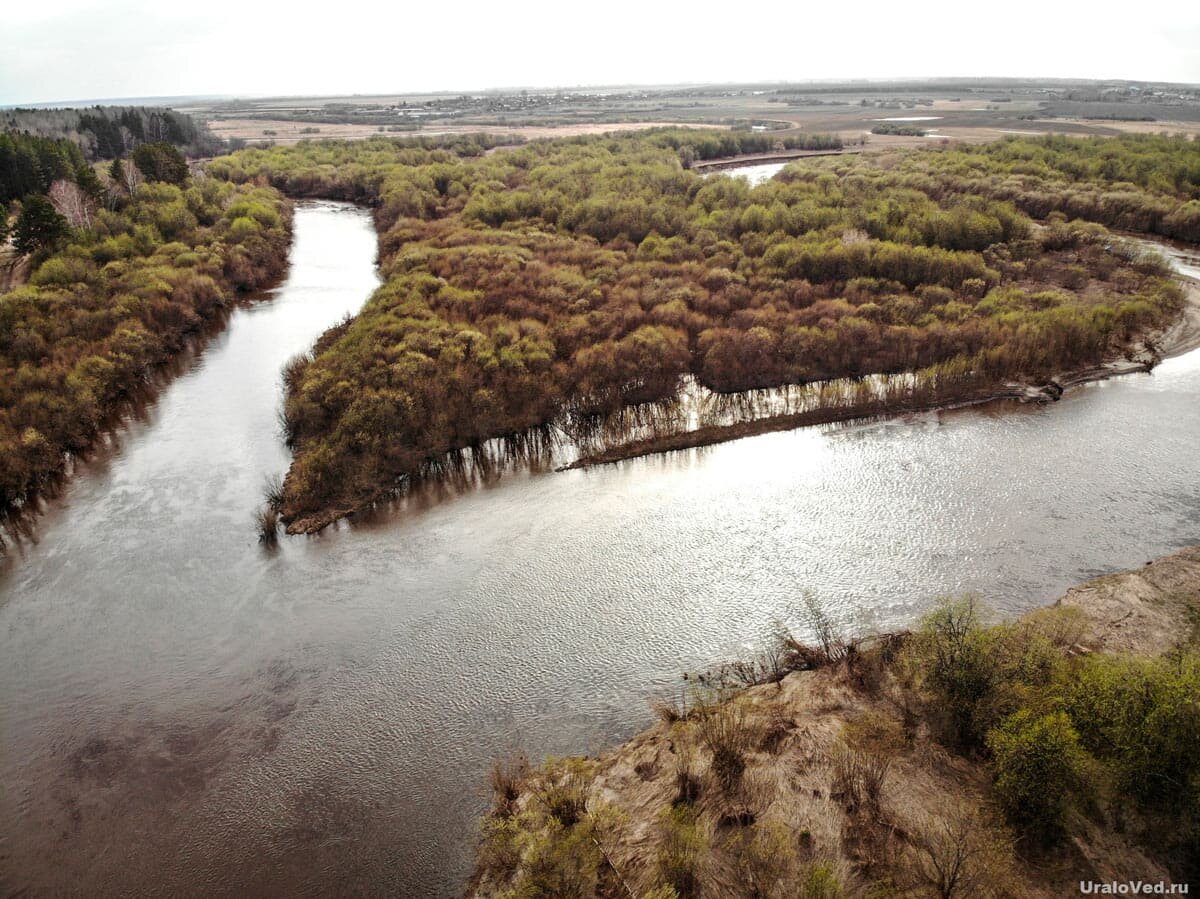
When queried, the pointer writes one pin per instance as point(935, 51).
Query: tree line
point(112, 294)
point(109, 132)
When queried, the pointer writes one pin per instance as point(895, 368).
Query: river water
point(185, 712)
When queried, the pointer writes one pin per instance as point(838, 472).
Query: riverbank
point(841, 774)
point(749, 159)
point(1181, 337)
point(103, 314)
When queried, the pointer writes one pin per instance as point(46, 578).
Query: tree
point(161, 161)
point(72, 203)
point(38, 226)
point(125, 176)
point(957, 854)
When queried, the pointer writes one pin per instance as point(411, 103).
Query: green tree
point(38, 226)
point(161, 162)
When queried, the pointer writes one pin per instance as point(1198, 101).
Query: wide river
point(183, 712)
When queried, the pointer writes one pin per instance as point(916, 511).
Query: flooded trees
point(579, 276)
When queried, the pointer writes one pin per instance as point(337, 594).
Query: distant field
point(971, 111)
point(287, 132)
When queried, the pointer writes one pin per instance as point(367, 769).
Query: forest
point(579, 276)
point(125, 265)
point(30, 165)
point(110, 132)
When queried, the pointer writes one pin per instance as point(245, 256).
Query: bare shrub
point(293, 371)
point(729, 736)
point(831, 643)
point(779, 726)
point(858, 775)
point(958, 854)
point(266, 520)
point(273, 491)
point(687, 783)
point(507, 778)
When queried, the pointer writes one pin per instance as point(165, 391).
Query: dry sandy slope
point(790, 777)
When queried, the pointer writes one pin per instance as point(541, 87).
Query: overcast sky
point(81, 49)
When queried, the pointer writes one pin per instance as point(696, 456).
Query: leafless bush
point(687, 783)
point(293, 371)
point(831, 643)
point(958, 855)
point(858, 775)
point(776, 732)
point(266, 520)
point(729, 736)
point(507, 779)
point(273, 491)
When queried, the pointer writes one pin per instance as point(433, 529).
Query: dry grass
point(817, 787)
point(266, 521)
point(507, 778)
point(729, 735)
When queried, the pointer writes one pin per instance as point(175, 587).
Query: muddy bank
point(737, 162)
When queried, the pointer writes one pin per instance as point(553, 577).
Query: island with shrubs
point(552, 284)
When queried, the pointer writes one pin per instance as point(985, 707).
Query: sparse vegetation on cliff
point(960, 760)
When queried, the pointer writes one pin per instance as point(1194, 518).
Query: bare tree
point(71, 203)
point(127, 176)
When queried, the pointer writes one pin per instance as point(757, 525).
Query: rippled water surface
point(186, 713)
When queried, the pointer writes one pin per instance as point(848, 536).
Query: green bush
point(820, 881)
point(1142, 716)
point(976, 675)
point(682, 851)
point(1039, 766)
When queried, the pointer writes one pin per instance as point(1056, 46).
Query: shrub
point(682, 850)
point(957, 855)
point(1142, 716)
point(564, 799)
point(687, 783)
point(1039, 765)
point(267, 522)
point(766, 859)
point(977, 675)
point(820, 881)
point(729, 736)
point(859, 774)
point(507, 779)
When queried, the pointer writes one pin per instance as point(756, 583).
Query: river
point(185, 712)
